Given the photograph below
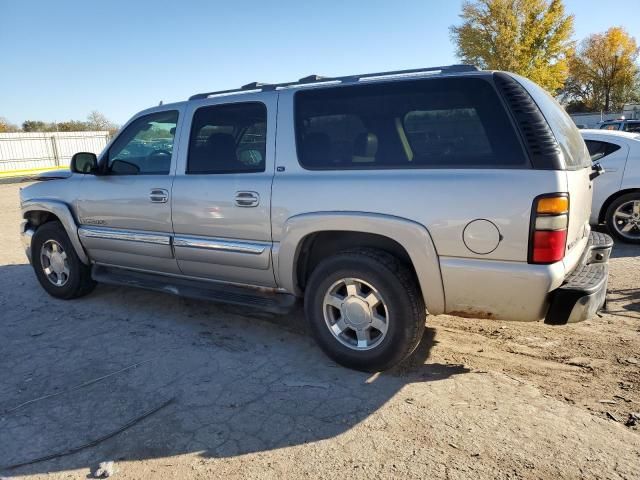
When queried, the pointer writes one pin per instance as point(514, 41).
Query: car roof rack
point(314, 79)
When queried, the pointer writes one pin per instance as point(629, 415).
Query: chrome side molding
point(111, 234)
point(218, 244)
point(232, 246)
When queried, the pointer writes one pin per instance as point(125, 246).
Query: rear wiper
point(597, 170)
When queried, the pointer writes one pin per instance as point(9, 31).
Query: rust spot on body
point(471, 314)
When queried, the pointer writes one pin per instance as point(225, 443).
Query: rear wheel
point(623, 217)
point(57, 267)
point(364, 309)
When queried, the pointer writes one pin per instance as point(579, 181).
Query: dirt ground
point(253, 397)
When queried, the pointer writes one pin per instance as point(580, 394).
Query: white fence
point(42, 150)
point(592, 120)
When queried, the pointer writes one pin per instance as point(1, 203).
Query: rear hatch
point(566, 153)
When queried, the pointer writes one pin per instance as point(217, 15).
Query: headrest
point(315, 149)
point(222, 141)
point(319, 141)
point(365, 145)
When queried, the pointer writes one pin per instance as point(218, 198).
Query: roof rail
point(257, 86)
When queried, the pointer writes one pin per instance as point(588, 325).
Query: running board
point(262, 299)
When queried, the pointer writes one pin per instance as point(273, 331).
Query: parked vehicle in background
point(616, 194)
point(631, 111)
point(621, 125)
point(378, 197)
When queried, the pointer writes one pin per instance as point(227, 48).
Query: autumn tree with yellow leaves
point(528, 37)
point(603, 73)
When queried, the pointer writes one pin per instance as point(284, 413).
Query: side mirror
point(84, 162)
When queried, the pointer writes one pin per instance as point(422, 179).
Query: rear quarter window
point(599, 149)
point(430, 123)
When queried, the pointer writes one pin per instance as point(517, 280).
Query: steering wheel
point(158, 152)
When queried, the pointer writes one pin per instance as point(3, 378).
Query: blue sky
point(62, 59)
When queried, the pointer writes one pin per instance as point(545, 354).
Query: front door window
point(145, 146)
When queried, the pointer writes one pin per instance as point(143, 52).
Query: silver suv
point(375, 198)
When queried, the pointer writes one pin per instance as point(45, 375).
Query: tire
point(367, 272)
point(73, 284)
point(615, 226)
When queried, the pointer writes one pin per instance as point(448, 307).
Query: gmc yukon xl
point(374, 198)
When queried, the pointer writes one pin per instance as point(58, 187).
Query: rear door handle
point(159, 195)
point(247, 199)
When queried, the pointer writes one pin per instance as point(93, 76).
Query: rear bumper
point(584, 291)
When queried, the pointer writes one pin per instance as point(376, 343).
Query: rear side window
point(633, 127)
point(599, 150)
point(228, 139)
point(432, 123)
point(430, 131)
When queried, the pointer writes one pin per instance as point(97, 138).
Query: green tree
point(528, 37)
point(603, 72)
point(73, 126)
point(35, 126)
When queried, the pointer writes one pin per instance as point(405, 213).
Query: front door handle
point(247, 199)
point(159, 195)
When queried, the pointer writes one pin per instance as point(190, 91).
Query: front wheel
point(56, 264)
point(364, 309)
point(623, 217)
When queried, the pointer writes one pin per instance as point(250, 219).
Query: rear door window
point(228, 138)
point(431, 123)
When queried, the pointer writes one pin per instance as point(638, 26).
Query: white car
point(616, 194)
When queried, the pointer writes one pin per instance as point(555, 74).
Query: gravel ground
point(252, 396)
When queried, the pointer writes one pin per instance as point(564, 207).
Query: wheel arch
point(39, 211)
point(336, 231)
point(612, 198)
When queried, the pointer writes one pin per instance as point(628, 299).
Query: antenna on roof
point(160, 104)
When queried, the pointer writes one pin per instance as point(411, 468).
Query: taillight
point(549, 222)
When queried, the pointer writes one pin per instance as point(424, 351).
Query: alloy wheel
point(356, 314)
point(54, 262)
point(626, 219)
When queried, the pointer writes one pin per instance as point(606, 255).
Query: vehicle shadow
point(625, 250)
point(629, 299)
point(240, 381)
